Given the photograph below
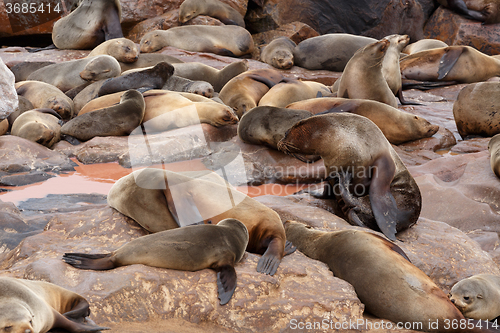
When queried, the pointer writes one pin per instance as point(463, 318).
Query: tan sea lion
point(38, 125)
point(122, 49)
point(189, 9)
point(160, 200)
point(90, 24)
point(398, 126)
point(149, 60)
point(384, 279)
point(494, 149)
point(477, 296)
point(329, 51)
point(227, 40)
point(70, 74)
point(475, 110)
point(243, 92)
point(279, 53)
point(365, 175)
point(4, 126)
point(486, 11)
point(291, 91)
point(192, 248)
point(462, 64)
point(38, 306)
point(390, 64)
point(423, 45)
point(362, 77)
point(23, 69)
point(44, 95)
point(119, 119)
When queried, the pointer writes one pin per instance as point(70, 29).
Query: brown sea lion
point(23, 69)
point(90, 24)
point(38, 125)
point(119, 119)
point(423, 45)
point(362, 77)
point(462, 64)
point(122, 49)
point(279, 53)
point(44, 95)
point(227, 40)
point(24, 105)
point(189, 9)
point(4, 126)
point(291, 91)
point(390, 65)
point(398, 126)
point(244, 91)
point(160, 200)
point(329, 51)
point(37, 307)
point(149, 60)
point(70, 74)
point(476, 109)
point(494, 149)
point(384, 279)
point(486, 11)
point(192, 248)
point(365, 175)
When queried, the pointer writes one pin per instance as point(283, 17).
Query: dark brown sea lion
point(279, 53)
point(192, 248)
point(214, 8)
point(485, 11)
point(23, 69)
point(365, 175)
point(494, 148)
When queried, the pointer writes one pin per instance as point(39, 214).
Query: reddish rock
point(449, 93)
point(441, 140)
point(454, 29)
point(472, 145)
point(296, 31)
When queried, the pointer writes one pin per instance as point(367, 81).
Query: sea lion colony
point(296, 117)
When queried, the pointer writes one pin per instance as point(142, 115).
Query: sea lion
point(180, 84)
point(189, 9)
point(398, 126)
point(4, 126)
point(227, 40)
point(244, 91)
point(291, 91)
point(384, 279)
point(362, 76)
point(148, 60)
point(329, 51)
point(24, 105)
point(122, 49)
point(23, 69)
point(192, 248)
point(423, 45)
point(475, 110)
point(90, 24)
point(477, 296)
point(38, 306)
point(485, 11)
point(87, 94)
point(153, 78)
point(38, 125)
point(462, 64)
point(44, 95)
point(119, 119)
point(279, 53)
point(390, 65)
point(494, 149)
point(365, 175)
point(160, 200)
point(70, 74)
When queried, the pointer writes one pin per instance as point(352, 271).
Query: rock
point(441, 140)
point(450, 93)
point(25, 179)
point(14, 55)
point(454, 29)
point(488, 241)
point(9, 101)
point(472, 145)
point(56, 203)
point(296, 31)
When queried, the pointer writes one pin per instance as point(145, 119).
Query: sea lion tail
point(99, 261)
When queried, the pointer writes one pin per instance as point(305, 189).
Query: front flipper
point(289, 248)
point(80, 310)
point(226, 283)
point(61, 321)
point(270, 260)
point(448, 60)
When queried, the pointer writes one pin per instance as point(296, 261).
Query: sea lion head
point(424, 127)
point(188, 10)
point(282, 59)
point(124, 50)
point(468, 296)
point(15, 317)
point(101, 67)
point(374, 52)
point(400, 41)
point(151, 42)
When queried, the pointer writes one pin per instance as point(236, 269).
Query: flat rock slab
point(58, 203)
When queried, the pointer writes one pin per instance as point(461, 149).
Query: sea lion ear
point(479, 296)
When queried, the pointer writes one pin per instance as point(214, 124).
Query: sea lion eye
point(466, 298)
point(8, 328)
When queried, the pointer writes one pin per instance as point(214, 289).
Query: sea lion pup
point(119, 119)
point(363, 78)
point(336, 50)
point(122, 49)
point(148, 60)
point(477, 296)
point(476, 109)
point(40, 125)
point(462, 64)
point(423, 45)
point(90, 24)
point(153, 78)
point(189, 9)
point(384, 279)
point(23, 69)
point(365, 175)
point(485, 11)
point(398, 126)
point(494, 148)
point(160, 200)
point(70, 74)
point(286, 93)
point(36, 307)
point(44, 95)
point(279, 53)
point(243, 92)
point(227, 40)
point(192, 248)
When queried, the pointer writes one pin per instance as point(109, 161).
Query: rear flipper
point(402, 99)
point(80, 310)
point(460, 7)
point(61, 321)
point(270, 260)
point(226, 283)
point(89, 261)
